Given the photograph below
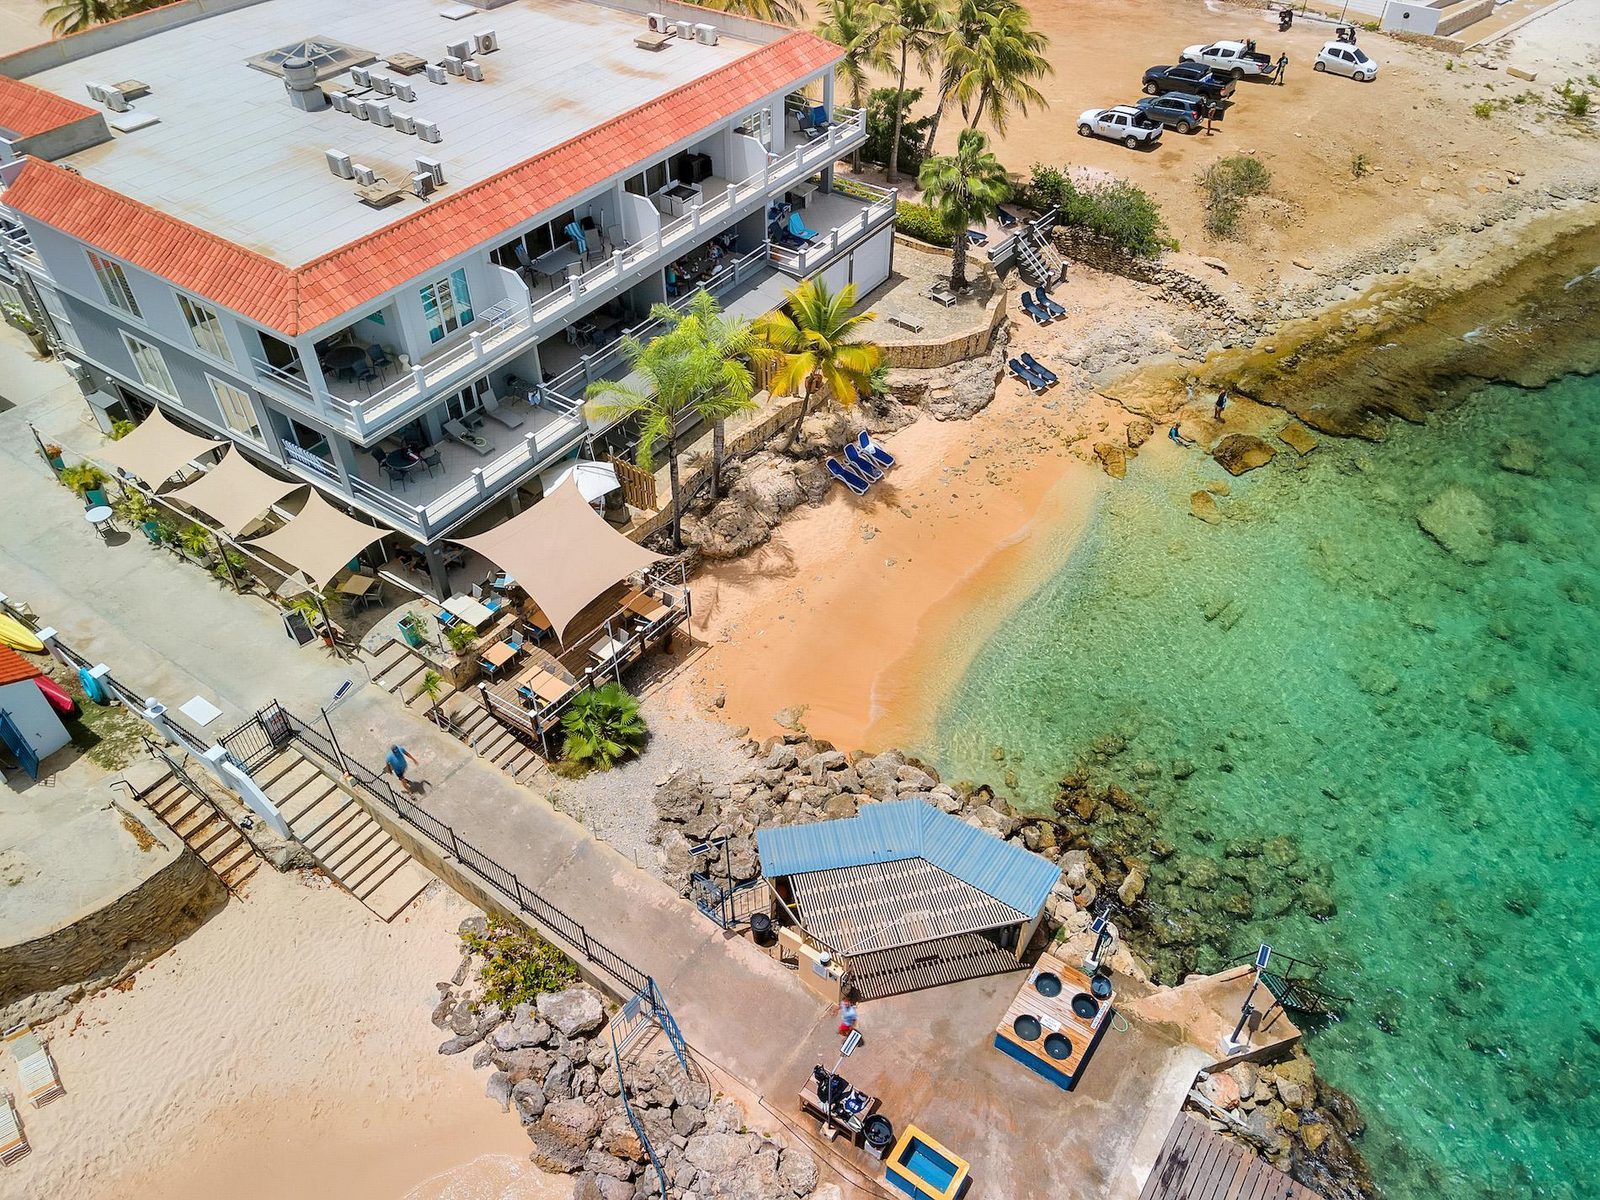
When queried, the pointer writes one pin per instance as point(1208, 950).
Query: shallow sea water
point(1427, 728)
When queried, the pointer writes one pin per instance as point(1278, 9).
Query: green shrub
point(923, 223)
point(1483, 109)
point(603, 726)
point(1118, 211)
point(518, 965)
point(121, 429)
point(880, 129)
point(461, 637)
point(1226, 184)
point(84, 478)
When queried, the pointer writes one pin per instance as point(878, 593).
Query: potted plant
point(88, 480)
point(432, 686)
point(462, 637)
point(18, 319)
point(195, 542)
point(411, 629)
point(231, 567)
point(139, 510)
point(52, 455)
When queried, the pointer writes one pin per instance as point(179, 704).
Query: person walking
point(847, 1013)
point(397, 761)
point(1211, 115)
point(1283, 65)
point(1222, 403)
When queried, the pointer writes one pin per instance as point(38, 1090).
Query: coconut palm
point(989, 50)
point(962, 188)
point(816, 347)
point(724, 345)
point(908, 31)
point(777, 12)
point(74, 16)
point(848, 23)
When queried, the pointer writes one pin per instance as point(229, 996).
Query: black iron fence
point(543, 913)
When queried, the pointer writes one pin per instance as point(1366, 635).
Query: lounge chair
point(13, 1142)
point(797, 228)
point(862, 463)
point(1042, 298)
point(977, 237)
point(875, 452)
point(1043, 372)
point(506, 418)
point(40, 1084)
point(1031, 381)
point(1029, 306)
point(1006, 217)
point(847, 476)
point(939, 292)
point(457, 432)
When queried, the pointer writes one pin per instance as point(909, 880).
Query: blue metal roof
point(901, 829)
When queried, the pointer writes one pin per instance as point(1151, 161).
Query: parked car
point(1197, 79)
point(1237, 59)
point(1337, 58)
point(1176, 110)
point(1124, 123)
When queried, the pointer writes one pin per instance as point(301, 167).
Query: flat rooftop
point(233, 156)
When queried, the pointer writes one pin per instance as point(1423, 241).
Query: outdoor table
point(606, 650)
point(645, 605)
point(553, 261)
point(549, 688)
point(497, 656)
point(402, 459)
point(100, 517)
point(465, 608)
point(358, 585)
point(346, 358)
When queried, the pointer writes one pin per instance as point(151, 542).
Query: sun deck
point(229, 149)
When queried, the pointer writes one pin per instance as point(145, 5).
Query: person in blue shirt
point(397, 760)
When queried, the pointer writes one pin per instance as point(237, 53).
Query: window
point(467, 401)
point(151, 366)
point(113, 283)
point(205, 329)
point(238, 412)
point(446, 305)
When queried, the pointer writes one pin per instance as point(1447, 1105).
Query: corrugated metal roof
point(901, 829)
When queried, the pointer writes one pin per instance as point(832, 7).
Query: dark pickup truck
point(1196, 79)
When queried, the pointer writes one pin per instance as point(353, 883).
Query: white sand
point(283, 1050)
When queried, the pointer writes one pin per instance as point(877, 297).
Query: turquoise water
point(1422, 729)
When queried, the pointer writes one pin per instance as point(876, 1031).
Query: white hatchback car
point(1341, 58)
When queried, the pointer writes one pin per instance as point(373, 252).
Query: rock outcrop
point(1241, 452)
point(1460, 521)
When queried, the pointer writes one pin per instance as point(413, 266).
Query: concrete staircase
point(398, 670)
point(351, 846)
point(474, 725)
point(198, 821)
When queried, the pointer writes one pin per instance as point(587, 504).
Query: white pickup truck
point(1236, 59)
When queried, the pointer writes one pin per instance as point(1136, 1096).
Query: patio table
point(498, 655)
point(549, 688)
point(554, 261)
point(100, 516)
point(358, 585)
point(606, 650)
point(465, 608)
point(645, 605)
point(346, 358)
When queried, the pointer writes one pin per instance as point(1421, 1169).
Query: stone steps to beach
point(491, 740)
point(351, 846)
point(399, 670)
point(197, 820)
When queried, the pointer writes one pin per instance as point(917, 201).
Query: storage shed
point(29, 728)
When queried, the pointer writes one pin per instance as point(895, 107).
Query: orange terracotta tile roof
point(14, 668)
point(26, 111)
point(294, 300)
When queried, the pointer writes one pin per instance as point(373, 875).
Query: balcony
point(840, 220)
point(507, 329)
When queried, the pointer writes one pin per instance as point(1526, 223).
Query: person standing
point(1283, 65)
point(1211, 115)
point(397, 761)
point(847, 1014)
point(1222, 403)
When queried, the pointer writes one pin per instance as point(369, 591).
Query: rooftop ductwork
point(300, 81)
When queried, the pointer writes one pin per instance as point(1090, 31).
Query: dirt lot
point(1431, 160)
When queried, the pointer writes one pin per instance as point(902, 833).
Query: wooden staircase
point(352, 847)
point(476, 726)
point(205, 830)
point(398, 670)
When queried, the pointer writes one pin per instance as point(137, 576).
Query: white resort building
point(383, 246)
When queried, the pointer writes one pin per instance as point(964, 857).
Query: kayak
point(57, 695)
point(15, 634)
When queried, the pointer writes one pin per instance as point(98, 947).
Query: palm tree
point(964, 187)
point(602, 726)
point(74, 16)
point(998, 66)
point(776, 12)
point(813, 339)
point(907, 30)
point(847, 24)
point(726, 387)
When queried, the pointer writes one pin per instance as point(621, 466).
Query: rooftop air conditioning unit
point(458, 49)
point(486, 42)
point(115, 100)
point(428, 131)
point(358, 109)
point(433, 167)
point(404, 92)
point(422, 184)
point(436, 73)
point(405, 122)
point(685, 30)
point(382, 84)
point(706, 35)
point(378, 113)
point(339, 164)
point(473, 71)
point(452, 64)
point(365, 175)
point(97, 92)
point(341, 102)
point(659, 23)
point(361, 77)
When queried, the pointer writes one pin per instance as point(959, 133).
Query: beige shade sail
point(234, 493)
point(155, 449)
point(562, 553)
point(319, 541)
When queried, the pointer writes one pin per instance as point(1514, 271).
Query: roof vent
point(339, 164)
point(365, 175)
point(428, 131)
point(300, 81)
point(97, 92)
point(435, 73)
point(485, 42)
point(115, 100)
point(452, 64)
point(433, 167)
point(473, 71)
point(458, 49)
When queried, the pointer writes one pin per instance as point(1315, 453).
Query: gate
point(260, 737)
point(12, 737)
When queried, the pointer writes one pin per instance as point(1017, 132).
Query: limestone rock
point(520, 1034)
point(798, 1172)
point(591, 1185)
point(1113, 458)
point(575, 1011)
point(528, 1096)
point(1298, 438)
point(718, 1153)
point(1139, 431)
point(1460, 521)
point(1204, 505)
point(498, 1089)
point(1221, 1089)
point(1241, 452)
point(561, 1135)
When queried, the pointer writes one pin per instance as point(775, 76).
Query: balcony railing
point(483, 349)
point(801, 261)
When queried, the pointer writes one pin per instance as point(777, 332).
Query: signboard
point(297, 627)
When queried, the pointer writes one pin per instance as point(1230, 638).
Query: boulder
point(1460, 521)
point(1519, 456)
point(520, 1034)
point(1139, 432)
point(1241, 452)
point(561, 1135)
point(1132, 887)
point(797, 1171)
point(528, 1096)
point(456, 1045)
point(592, 1185)
point(498, 1089)
point(1221, 1089)
point(1298, 438)
point(1113, 458)
point(1204, 505)
point(577, 1010)
point(618, 1138)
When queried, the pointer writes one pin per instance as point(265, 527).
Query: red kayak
point(57, 695)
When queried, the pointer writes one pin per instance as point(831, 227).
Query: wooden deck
point(1199, 1164)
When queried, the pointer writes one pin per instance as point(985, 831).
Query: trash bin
point(409, 631)
point(761, 930)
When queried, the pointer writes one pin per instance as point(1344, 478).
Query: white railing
point(19, 243)
point(803, 260)
point(392, 405)
point(534, 448)
point(300, 457)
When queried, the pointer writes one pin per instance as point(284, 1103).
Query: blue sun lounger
point(875, 452)
point(1033, 382)
point(797, 228)
point(977, 237)
point(1042, 299)
point(1041, 371)
point(847, 476)
point(1006, 216)
point(862, 463)
point(1031, 307)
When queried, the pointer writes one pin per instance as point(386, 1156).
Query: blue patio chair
point(862, 463)
point(380, 358)
point(797, 228)
point(846, 476)
point(1032, 308)
point(526, 693)
point(872, 450)
point(1042, 298)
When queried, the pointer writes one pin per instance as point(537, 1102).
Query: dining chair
point(366, 376)
point(433, 460)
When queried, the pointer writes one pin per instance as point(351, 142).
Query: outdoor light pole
point(1101, 928)
point(1232, 1043)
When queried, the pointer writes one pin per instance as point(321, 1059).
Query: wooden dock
point(1197, 1163)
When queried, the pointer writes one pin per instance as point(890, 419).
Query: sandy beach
point(283, 1049)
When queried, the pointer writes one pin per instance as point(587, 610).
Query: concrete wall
point(31, 713)
point(1455, 17)
point(1409, 17)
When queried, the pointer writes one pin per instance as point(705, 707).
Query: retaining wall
point(1092, 251)
point(953, 348)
